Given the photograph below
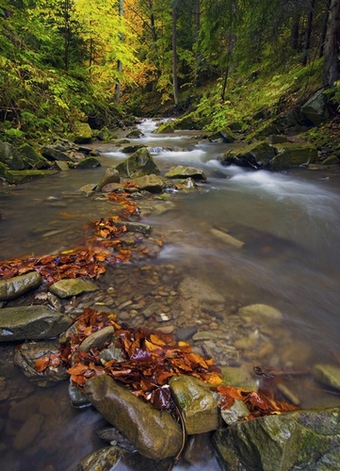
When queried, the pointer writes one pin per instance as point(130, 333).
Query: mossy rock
point(32, 158)
point(11, 157)
point(165, 128)
point(17, 177)
point(82, 133)
point(295, 153)
point(137, 165)
point(88, 162)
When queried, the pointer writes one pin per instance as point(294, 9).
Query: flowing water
point(289, 223)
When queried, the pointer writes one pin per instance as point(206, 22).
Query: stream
point(289, 224)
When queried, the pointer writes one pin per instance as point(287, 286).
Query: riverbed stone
point(29, 353)
point(327, 374)
point(307, 439)
point(11, 157)
point(18, 177)
point(155, 434)
point(261, 312)
point(181, 171)
point(240, 377)
point(255, 156)
point(197, 404)
point(152, 183)
point(88, 162)
point(72, 287)
point(138, 164)
point(294, 154)
point(28, 432)
point(111, 175)
point(97, 339)
point(104, 459)
point(17, 286)
point(31, 323)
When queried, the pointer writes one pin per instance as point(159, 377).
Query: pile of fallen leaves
point(103, 247)
point(145, 363)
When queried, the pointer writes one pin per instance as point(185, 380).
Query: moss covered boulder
point(11, 157)
point(295, 440)
point(19, 285)
point(82, 133)
point(155, 434)
point(137, 165)
point(32, 158)
point(255, 156)
point(291, 154)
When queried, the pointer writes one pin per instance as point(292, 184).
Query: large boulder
point(315, 109)
point(181, 171)
point(18, 285)
point(82, 133)
point(18, 177)
point(31, 323)
point(138, 164)
point(152, 183)
point(291, 154)
point(155, 434)
point(254, 156)
point(197, 404)
point(295, 440)
point(11, 157)
point(32, 158)
point(111, 175)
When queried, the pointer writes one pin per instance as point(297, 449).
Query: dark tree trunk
point(295, 31)
point(331, 49)
point(308, 32)
point(324, 30)
point(174, 56)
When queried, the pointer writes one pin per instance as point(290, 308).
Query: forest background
point(65, 61)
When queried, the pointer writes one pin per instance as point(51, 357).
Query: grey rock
point(307, 439)
point(155, 434)
point(31, 323)
point(11, 157)
point(261, 312)
point(327, 374)
point(88, 162)
point(115, 438)
point(315, 109)
point(197, 404)
point(97, 339)
point(111, 175)
point(180, 171)
point(137, 165)
point(72, 287)
point(104, 459)
point(151, 183)
point(19, 285)
point(26, 357)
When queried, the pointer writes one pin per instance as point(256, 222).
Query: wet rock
point(97, 339)
point(235, 412)
point(224, 136)
point(28, 433)
point(72, 287)
point(315, 109)
point(293, 155)
point(31, 323)
point(254, 156)
point(240, 377)
point(78, 399)
point(196, 403)
point(199, 451)
point(137, 165)
point(261, 312)
point(156, 435)
point(331, 160)
point(26, 357)
point(104, 459)
point(135, 226)
point(18, 177)
point(22, 410)
point(277, 139)
point(185, 333)
point(82, 133)
point(115, 438)
point(197, 292)
point(14, 287)
point(180, 171)
point(52, 152)
point(327, 374)
point(151, 183)
point(111, 175)
point(88, 162)
point(295, 440)
point(11, 157)
point(134, 134)
point(227, 238)
point(32, 158)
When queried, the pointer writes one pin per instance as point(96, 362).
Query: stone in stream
point(27, 355)
point(97, 339)
point(72, 287)
point(180, 171)
point(154, 433)
point(151, 183)
point(261, 312)
point(104, 459)
point(327, 374)
point(31, 323)
point(111, 175)
point(197, 404)
point(19, 285)
point(137, 165)
point(308, 439)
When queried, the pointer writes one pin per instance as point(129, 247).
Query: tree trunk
point(119, 63)
point(295, 31)
point(324, 30)
point(67, 34)
point(331, 49)
point(308, 32)
point(174, 56)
